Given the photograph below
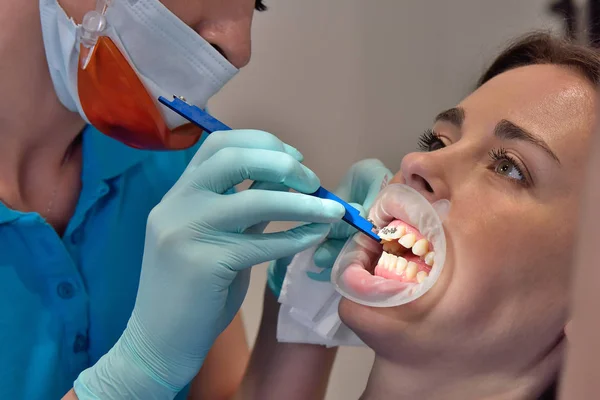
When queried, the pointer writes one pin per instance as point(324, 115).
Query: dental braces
point(376, 229)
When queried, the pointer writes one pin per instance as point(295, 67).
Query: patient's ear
point(569, 329)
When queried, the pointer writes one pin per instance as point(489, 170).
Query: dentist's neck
point(444, 381)
point(35, 129)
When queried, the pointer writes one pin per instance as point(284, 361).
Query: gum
point(409, 228)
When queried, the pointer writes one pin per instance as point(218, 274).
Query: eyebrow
point(504, 129)
point(455, 116)
point(510, 131)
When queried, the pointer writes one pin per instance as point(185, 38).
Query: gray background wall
point(343, 80)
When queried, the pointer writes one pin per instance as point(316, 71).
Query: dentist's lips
point(408, 260)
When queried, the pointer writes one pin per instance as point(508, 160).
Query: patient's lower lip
point(363, 283)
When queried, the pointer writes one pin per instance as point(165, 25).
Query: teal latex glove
point(199, 246)
point(359, 187)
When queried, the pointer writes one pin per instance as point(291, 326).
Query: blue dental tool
point(210, 124)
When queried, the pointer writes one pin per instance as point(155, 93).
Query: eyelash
point(429, 138)
point(498, 155)
point(260, 6)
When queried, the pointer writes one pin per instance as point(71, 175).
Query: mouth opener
point(209, 124)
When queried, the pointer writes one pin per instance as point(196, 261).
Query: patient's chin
point(390, 329)
point(359, 319)
point(369, 323)
point(348, 310)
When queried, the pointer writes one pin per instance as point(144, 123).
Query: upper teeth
point(396, 240)
point(408, 240)
point(420, 248)
point(429, 258)
point(392, 233)
point(397, 232)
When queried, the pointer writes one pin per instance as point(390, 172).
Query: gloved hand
point(359, 187)
point(198, 247)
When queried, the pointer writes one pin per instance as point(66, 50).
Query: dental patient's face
point(223, 23)
point(510, 159)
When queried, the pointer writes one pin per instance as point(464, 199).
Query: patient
point(510, 158)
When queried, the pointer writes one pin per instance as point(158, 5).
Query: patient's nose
point(424, 173)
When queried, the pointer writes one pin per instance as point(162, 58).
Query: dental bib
point(309, 308)
point(403, 216)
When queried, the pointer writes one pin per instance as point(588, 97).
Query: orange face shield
point(116, 102)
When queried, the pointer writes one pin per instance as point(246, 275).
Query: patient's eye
point(430, 141)
point(507, 166)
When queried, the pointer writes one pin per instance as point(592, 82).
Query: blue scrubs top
point(65, 301)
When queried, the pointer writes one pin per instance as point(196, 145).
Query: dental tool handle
point(352, 215)
point(209, 124)
point(195, 115)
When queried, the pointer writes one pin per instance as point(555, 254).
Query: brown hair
point(544, 48)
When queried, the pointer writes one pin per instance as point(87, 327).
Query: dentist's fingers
point(363, 182)
point(242, 138)
point(259, 248)
point(250, 139)
point(275, 187)
point(252, 207)
point(342, 229)
point(231, 166)
point(327, 253)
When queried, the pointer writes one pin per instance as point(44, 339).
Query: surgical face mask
point(113, 67)
point(408, 261)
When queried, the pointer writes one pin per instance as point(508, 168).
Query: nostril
point(428, 187)
point(421, 183)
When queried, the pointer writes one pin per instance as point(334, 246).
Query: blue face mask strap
point(209, 124)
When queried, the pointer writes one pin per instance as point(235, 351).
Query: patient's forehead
point(556, 103)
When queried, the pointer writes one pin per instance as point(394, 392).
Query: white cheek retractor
point(352, 273)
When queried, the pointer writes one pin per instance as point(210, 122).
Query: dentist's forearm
point(284, 370)
point(225, 365)
point(280, 370)
point(70, 396)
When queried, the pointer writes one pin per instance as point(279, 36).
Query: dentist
point(121, 263)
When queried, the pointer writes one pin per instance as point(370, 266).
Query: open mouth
point(406, 263)
point(407, 255)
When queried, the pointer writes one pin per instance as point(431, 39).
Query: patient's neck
point(457, 381)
